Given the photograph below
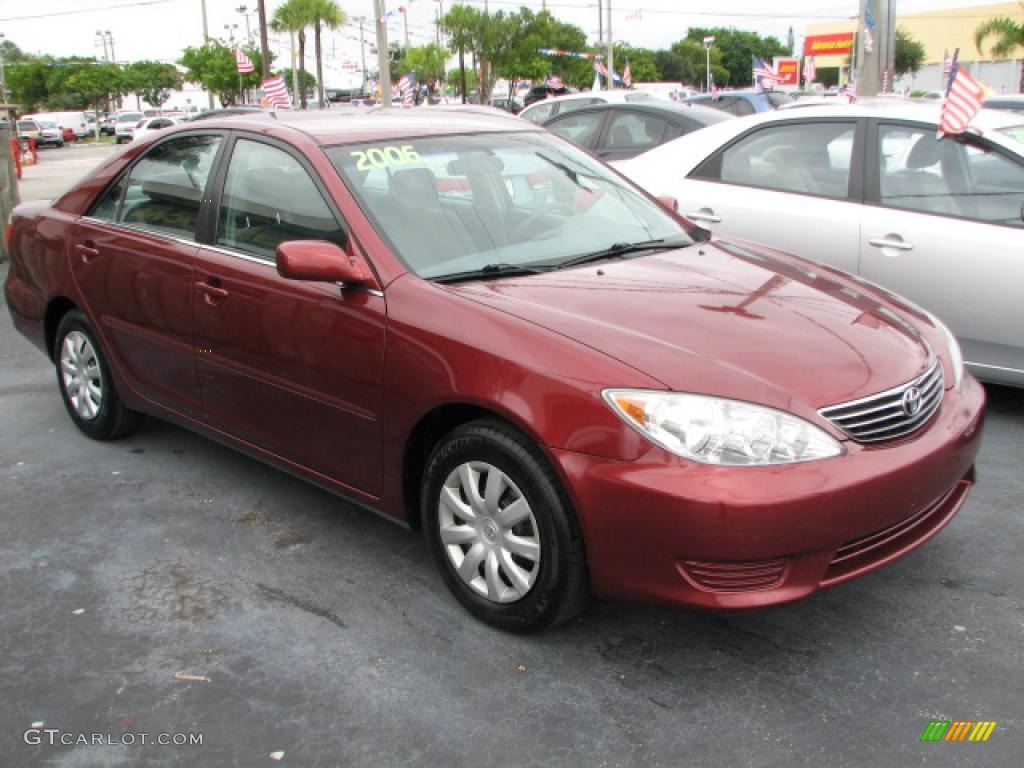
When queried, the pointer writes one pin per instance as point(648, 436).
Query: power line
point(137, 3)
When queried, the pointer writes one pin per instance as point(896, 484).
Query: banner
point(840, 44)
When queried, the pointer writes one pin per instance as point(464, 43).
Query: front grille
point(742, 576)
point(885, 416)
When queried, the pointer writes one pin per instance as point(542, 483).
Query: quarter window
point(269, 199)
point(580, 128)
point(808, 158)
point(166, 188)
point(631, 130)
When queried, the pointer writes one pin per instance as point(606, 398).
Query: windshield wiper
point(499, 269)
point(621, 249)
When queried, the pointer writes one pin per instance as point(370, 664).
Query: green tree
point(213, 65)
point(674, 68)
point(26, 82)
point(295, 16)
point(308, 78)
point(1009, 36)
point(641, 62)
point(736, 47)
point(462, 23)
point(152, 81)
point(695, 56)
point(427, 61)
point(95, 83)
point(326, 13)
point(909, 53)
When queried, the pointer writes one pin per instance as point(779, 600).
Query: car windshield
point(46, 123)
point(129, 117)
point(455, 205)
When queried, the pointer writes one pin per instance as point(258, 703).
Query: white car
point(148, 125)
point(545, 109)
point(871, 190)
point(124, 125)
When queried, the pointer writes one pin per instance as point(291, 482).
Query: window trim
point(219, 174)
point(855, 187)
point(873, 185)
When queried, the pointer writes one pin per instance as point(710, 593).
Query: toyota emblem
point(912, 401)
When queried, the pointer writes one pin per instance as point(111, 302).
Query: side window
point(269, 199)
point(949, 177)
point(165, 188)
point(632, 130)
point(741, 107)
point(579, 128)
point(106, 207)
point(571, 105)
point(541, 112)
point(809, 158)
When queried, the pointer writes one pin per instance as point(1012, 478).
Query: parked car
point(1007, 103)
point(620, 131)
point(124, 126)
point(505, 103)
point(44, 130)
point(871, 190)
point(76, 121)
point(478, 329)
point(546, 91)
point(148, 125)
point(746, 102)
point(542, 111)
point(107, 125)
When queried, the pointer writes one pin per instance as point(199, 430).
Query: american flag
point(275, 93)
point(849, 92)
point(764, 75)
point(947, 62)
point(407, 88)
point(627, 75)
point(963, 100)
point(600, 68)
point(554, 81)
point(810, 70)
point(242, 62)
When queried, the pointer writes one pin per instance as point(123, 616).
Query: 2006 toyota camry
point(466, 323)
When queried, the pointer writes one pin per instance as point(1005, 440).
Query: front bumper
point(665, 530)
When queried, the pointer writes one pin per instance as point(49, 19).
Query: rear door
point(943, 226)
point(292, 367)
point(629, 132)
point(796, 186)
point(133, 257)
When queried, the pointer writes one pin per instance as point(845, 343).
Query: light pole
point(405, 21)
point(707, 51)
point(103, 42)
point(244, 10)
point(206, 41)
point(611, 61)
point(362, 53)
point(231, 40)
point(110, 40)
point(383, 61)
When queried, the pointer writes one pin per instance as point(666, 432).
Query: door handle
point(212, 294)
point(87, 250)
point(886, 242)
point(704, 214)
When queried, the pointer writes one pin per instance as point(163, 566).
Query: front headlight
point(713, 430)
point(956, 357)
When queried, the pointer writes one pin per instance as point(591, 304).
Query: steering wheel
point(557, 209)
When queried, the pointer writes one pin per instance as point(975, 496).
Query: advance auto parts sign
point(829, 45)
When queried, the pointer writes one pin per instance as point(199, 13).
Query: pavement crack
point(270, 593)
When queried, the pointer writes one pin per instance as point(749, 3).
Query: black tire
point(112, 419)
point(560, 589)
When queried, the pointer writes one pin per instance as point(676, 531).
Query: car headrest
point(414, 186)
point(926, 152)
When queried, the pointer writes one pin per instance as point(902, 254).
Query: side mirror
point(669, 202)
point(319, 261)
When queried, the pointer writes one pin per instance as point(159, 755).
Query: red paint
point(331, 382)
point(839, 44)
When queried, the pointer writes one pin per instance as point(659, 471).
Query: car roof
point(356, 124)
point(654, 106)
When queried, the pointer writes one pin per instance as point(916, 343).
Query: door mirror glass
point(319, 261)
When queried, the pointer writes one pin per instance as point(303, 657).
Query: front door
point(133, 255)
point(292, 367)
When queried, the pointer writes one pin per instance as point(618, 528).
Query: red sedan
point(468, 324)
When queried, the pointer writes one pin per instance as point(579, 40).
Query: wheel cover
point(489, 532)
point(81, 375)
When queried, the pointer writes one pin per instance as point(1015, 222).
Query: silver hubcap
point(80, 372)
point(489, 532)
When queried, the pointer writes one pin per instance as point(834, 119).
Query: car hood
point(725, 318)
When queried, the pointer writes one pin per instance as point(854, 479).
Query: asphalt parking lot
point(166, 584)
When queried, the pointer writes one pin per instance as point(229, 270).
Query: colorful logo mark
point(958, 730)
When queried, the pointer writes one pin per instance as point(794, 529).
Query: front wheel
point(86, 386)
point(501, 530)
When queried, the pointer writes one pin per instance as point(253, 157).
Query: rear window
point(129, 117)
point(777, 99)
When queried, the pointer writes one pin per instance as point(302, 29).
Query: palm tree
point(1009, 36)
point(326, 13)
point(294, 16)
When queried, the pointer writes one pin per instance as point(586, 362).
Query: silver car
point(871, 189)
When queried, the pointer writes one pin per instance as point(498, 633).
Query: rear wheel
point(501, 530)
point(86, 386)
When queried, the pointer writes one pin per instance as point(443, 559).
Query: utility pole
point(600, 24)
point(206, 41)
point(103, 39)
point(261, 9)
point(875, 44)
point(405, 22)
point(383, 60)
point(295, 70)
point(611, 62)
point(362, 53)
point(110, 39)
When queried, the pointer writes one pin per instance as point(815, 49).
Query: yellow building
point(941, 32)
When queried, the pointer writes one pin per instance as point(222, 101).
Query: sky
point(160, 29)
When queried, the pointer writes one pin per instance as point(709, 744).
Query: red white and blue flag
point(554, 81)
point(627, 75)
point(848, 92)
point(600, 68)
point(407, 89)
point(810, 70)
point(242, 62)
point(764, 75)
point(275, 93)
point(964, 98)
